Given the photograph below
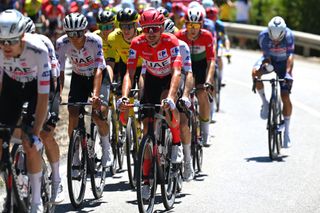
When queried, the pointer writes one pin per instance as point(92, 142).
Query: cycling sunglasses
point(9, 42)
point(191, 25)
point(126, 26)
point(149, 29)
point(104, 27)
point(75, 34)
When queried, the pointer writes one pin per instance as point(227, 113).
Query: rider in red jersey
point(201, 43)
point(163, 64)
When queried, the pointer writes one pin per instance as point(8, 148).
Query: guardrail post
point(306, 51)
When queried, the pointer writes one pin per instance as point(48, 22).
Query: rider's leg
point(204, 113)
point(186, 141)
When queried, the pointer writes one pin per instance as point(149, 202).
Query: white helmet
point(194, 15)
point(169, 26)
point(207, 3)
point(75, 22)
point(30, 26)
point(12, 24)
point(277, 28)
point(198, 6)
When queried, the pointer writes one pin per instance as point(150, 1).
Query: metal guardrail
point(306, 40)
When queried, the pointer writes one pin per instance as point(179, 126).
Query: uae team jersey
point(277, 52)
point(202, 48)
point(55, 69)
point(83, 61)
point(159, 60)
point(33, 63)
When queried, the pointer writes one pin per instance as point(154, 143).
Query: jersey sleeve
point(290, 42)
point(133, 55)
point(99, 57)
point(111, 52)
point(61, 53)
point(43, 73)
point(210, 54)
point(185, 55)
point(262, 40)
point(175, 53)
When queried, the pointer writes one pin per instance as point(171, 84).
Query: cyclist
point(24, 77)
point(119, 40)
point(277, 44)
point(47, 133)
point(163, 63)
point(186, 84)
point(84, 50)
point(201, 43)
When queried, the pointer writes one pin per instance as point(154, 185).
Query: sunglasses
point(193, 26)
point(152, 29)
point(126, 26)
point(9, 42)
point(75, 34)
point(106, 27)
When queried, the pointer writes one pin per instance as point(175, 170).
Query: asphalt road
point(237, 173)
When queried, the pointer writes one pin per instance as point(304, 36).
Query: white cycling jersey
point(55, 68)
point(185, 55)
point(33, 63)
point(83, 61)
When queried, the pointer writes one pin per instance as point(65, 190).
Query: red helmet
point(212, 13)
point(151, 17)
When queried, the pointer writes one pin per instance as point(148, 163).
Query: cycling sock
point(204, 130)
point(187, 152)
point(105, 141)
point(55, 172)
point(176, 135)
point(263, 96)
point(35, 182)
point(286, 124)
point(146, 169)
point(212, 110)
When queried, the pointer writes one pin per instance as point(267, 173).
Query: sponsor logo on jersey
point(162, 54)
point(132, 54)
point(46, 73)
point(35, 50)
point(159, 68)
point(174, 51)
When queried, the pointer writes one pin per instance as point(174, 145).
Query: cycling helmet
point(194, 15)
point(155, 3)
point(207, 3)
point(105, 16)
point(127, 15)
point(277, 28)
point(55, 2)
point(12, 24)
point(169, 26)
point(164, 11)
point(30, 27)
point(212, 13)
point(151, 17)
point(74, 22)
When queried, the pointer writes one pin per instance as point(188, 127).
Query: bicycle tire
point(146, 206)
point(168, 174)
point(199, 157)
point(97, 172)
point(120, 146)
point(272, 129)
point(46, 188)
point(23, 201)
point(114, 138)
point(76, 140)
point(131, 151)
point(279, 121)
point(217, 95)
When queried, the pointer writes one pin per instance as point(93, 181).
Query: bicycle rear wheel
point(131, 151)
point(146, 159)
point(77, 168)
point(196, 146)
point(97, 172)
point(168, 174)
point(46, 188)
point(114, 139)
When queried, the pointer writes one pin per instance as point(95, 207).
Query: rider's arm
point(188, 84)
point(174, 84)
point(290, 50)
point(41, 113)
point(97, 82)
point(210, 54)
point(127, 82)
point(210, 71)
point(290, 64)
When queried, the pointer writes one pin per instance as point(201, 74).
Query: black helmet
point(127, 15)
point(105, 16)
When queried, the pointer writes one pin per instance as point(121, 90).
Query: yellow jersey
point(105, 46)
point(32, 7)
point(117, 46)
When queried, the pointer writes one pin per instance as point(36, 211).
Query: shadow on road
point(89, 204)
point(266, 159)
point(199, 177)
point(114, 187)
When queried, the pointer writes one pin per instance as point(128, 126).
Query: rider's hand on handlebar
point(186, 101)
point(168, 103)
point(208, 87)
point(95, 102)
point(121, 103)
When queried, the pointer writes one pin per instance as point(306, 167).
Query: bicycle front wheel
point(77, 168)
point(131, 151)
point(146, 171)
point(273, 142)
point(97, 171)
point(217, 84)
